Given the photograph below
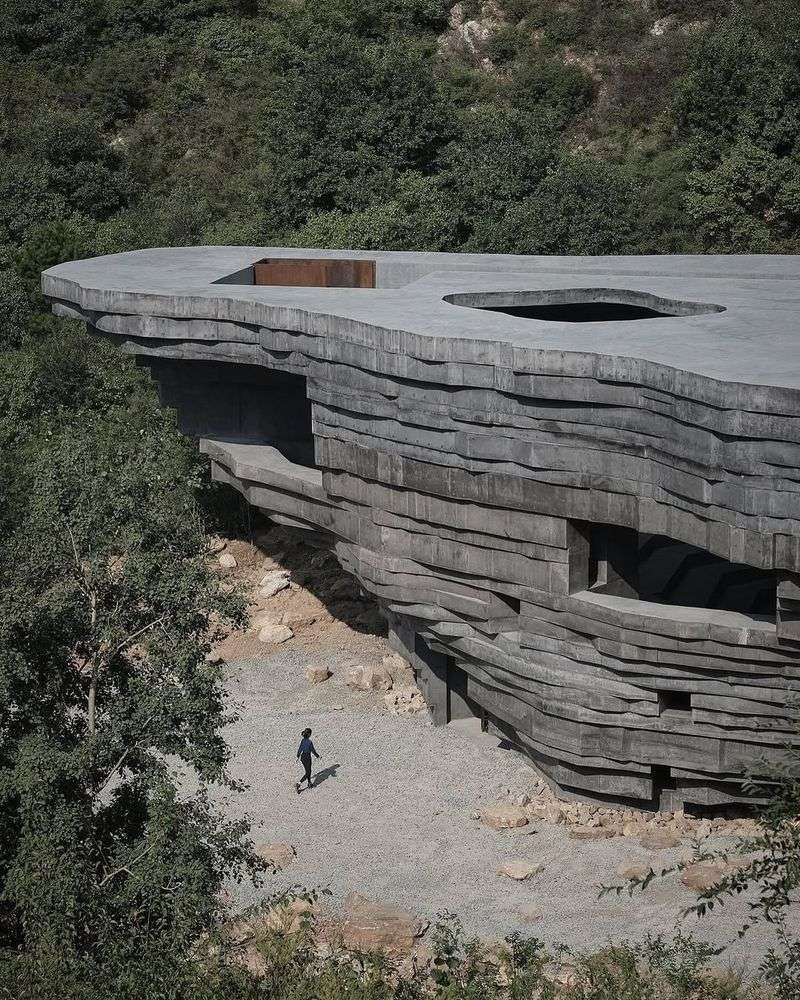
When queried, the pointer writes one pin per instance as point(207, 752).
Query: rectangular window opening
point(674, 701)
point(623, 562)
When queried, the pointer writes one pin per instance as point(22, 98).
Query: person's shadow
point(325, 773)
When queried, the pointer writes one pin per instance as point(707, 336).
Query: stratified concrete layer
point(460, 455)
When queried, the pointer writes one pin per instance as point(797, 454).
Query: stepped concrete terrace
point(570, 483)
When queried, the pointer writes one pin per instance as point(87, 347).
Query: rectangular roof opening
point(315, 272)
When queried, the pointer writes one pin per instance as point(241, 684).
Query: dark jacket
point(306, 748)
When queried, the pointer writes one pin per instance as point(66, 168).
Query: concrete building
point(571, 483)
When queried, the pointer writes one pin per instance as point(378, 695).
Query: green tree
point(107, 612)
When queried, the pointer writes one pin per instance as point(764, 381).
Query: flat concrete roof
point(753, 339)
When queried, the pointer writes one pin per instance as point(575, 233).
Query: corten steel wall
point(457, 478)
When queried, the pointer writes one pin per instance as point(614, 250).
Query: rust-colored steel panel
point(317, 273)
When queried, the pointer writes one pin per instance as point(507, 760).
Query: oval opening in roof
point(581, 305)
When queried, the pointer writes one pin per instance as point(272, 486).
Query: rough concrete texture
point(586, 532)
point(392, 819)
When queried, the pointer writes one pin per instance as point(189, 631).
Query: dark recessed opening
point(579, 312)
point(581, 305)
point(674, 701)
point(244, 404)
point(623, 562)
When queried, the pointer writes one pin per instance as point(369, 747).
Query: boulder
point(362, 678)
point(702, 876)
point(317, 674)
point(399, 669)
point(365, 925)
point(659, 840)
point(273, 583)
point(504, 816)
point(519, 871)
point(404, 701)
point(591, 832)
point(289, 916)
point(297, 619)
point(274, 634)
point(280, 856)
point(228, 561)
point(633, 871)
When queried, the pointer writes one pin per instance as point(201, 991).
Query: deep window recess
point(242, 404)
point(626, 563)
point(674, 701)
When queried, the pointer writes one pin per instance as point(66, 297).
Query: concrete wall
point(457, 484)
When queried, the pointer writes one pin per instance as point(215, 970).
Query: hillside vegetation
point(526, 126)
point(521, 126)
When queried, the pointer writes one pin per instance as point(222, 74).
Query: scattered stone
point(399, 669)
point(317, 674)
point(368, 679)
point(702, 876)
point(214, 658)
point(519, 871)
point(289, 916)
point(228, 561)
point(297, 619)
point(369, 926)
point(404, 701)
point(504, 816)
point(275, 634)
point(280, 856)
point(530, 916)
point(591, 832)
point(659, 840)
point(633, 871)
point(273, 583)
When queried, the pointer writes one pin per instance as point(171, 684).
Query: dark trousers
point(306, 761)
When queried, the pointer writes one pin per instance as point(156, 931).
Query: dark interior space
point(579, 312)
point(654, 568)
point(674, 701)
point(245, 404)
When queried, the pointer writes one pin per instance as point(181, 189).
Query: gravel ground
point(390, 818)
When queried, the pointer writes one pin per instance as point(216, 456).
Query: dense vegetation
point(529, 126)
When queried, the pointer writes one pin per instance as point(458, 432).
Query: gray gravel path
point(391, 819)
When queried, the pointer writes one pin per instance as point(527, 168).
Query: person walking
point(304, 752)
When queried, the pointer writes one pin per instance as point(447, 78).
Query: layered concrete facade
point(570, 483)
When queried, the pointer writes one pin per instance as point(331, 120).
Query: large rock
point(273, 583)
point(228, 561)
point(317, 674)
point(659, 840)
point(289, 916)
point(399, 669)
point(274, 634)
point(362, 678)
point(633, 871)
point(280, 856)
point(504, 816)
point(591, 832)
point(519, 871)
point(702, 876)
point(369, 926)
point(404, 700)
